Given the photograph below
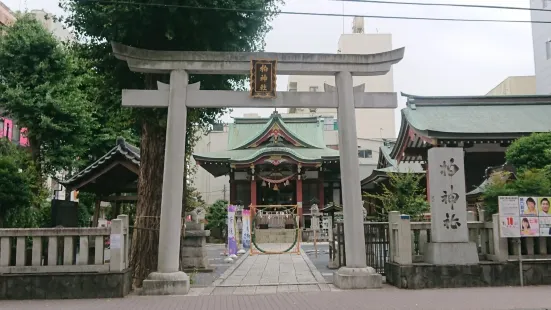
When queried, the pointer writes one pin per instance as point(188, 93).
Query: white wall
point(541, 34)
point(211, 188)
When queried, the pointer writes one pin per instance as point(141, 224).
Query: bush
point(535, 182)
point(217, 215)
point(404, 194)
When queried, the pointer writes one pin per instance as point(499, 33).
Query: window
point(548, 49)
point(218, 127)
point(292, 86)
point(365, 154)
point(313, 88)
point(15, 134)
point(328, 123)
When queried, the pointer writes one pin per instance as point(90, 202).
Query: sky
point(441, 58)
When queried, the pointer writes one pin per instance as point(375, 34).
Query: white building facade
point(373, 125)
point(541, 40)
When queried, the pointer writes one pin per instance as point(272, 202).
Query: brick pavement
point(504, 298)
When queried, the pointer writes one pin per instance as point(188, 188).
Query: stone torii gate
point(179, 95)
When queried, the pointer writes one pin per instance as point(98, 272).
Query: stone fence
point(408, 240)
point(65, 262)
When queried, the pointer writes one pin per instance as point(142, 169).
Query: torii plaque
point(178, 96)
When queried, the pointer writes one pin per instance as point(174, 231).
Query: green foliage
point(217, 215)
point(19, 186)
point(41, 88)
point(535, 182)
point(531, 152)
point(163, 28)
point(193, 199)
point(404, 194)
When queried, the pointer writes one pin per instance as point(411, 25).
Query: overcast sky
point(442, 58)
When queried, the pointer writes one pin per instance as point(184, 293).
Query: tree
point(18, 185)
point(531, 152)
point(164, 28)
point(404, 193)
point(41, 90)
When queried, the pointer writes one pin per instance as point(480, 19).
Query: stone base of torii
point(179, 96)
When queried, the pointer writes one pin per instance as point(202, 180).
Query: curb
point(313, 269)
point(208, 290)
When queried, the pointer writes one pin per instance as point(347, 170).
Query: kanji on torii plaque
point(263, 78)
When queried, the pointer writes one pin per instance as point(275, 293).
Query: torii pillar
point(178, 96)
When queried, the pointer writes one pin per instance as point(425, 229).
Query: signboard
point(64, 213)
point(263, 78)
point(525, 216)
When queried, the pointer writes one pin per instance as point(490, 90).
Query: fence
point(376, 245)
point(408, 240)
point(65, 250)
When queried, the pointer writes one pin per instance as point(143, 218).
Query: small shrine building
point(277, 161)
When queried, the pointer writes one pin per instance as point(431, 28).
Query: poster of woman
point(529, 226)
point(528, 206)
point(544, 209)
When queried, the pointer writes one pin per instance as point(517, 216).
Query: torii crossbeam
point(178, 96)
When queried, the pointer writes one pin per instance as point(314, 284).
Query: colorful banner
point(246, 234)
point(232, 242)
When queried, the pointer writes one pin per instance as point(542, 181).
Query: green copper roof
point(245, 132)
point(491, 115)
point(307, 130)
point(301, 154)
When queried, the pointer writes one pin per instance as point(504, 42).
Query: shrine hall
point(277, 161)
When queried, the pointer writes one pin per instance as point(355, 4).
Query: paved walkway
point(268, 274)
point(504, 298)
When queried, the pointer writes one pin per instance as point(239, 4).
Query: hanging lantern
point(276, 188)
point(264, 183)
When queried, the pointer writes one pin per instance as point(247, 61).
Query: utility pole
point(224, 191)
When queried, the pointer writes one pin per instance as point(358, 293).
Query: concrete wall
point(541, 40)
point(65, 285)
point(515, 85)
point(56, 28)
point(211, 188)
point(425, 276)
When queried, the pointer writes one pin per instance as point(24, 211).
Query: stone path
point(268, 274)
point(499, 298)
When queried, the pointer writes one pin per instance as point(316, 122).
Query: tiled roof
point(479, 115)
point(128, 151)
point(308, 131)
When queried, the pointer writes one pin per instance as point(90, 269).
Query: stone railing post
point(126, 235)
point(393, 218)
point(482, 216)
point(501, 253)
point(116, 246)
point(404, 241)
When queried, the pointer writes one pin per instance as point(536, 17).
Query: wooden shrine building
point(276, 161)
point(113, 178)
point(484, 126)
